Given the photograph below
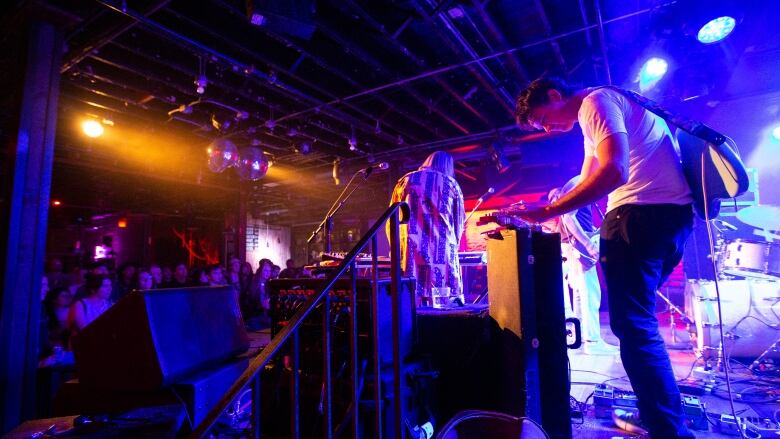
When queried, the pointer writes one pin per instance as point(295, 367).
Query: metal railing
point(396, 214)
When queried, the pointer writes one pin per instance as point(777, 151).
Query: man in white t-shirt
point(630, 155)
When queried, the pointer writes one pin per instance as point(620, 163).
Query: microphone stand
point(480, 200)
point(327, 222)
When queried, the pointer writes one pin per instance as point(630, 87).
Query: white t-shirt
point(654, 171)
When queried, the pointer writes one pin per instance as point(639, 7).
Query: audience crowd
point(72, 300)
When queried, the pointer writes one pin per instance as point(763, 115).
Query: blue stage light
point(776, 132)
point(716, 30)
point(652, 71)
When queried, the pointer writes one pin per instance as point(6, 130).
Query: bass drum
point(750, 313)
point(751, 259)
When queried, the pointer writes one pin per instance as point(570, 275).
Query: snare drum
point(752, 259)
point(749, 307)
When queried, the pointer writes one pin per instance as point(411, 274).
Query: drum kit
point(749, 284)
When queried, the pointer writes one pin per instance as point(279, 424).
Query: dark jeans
point(640, 246)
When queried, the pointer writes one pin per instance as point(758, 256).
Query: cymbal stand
point(676, 344)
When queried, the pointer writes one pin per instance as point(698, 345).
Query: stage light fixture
point(92, 128)
point(56, 202)
point(652, 71)
point(200, 84)
point(776, 133)
point(716, 30)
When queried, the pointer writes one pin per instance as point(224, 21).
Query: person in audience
point(99, 269)
point(275, 270)
point(55, 275)
point(56, 308)
point(144, 280)
point(233, 276)
point(167, 276)
point(79, 275)
point(83, 311)
point(199, 277)
point(258, 300)
point(245, 278)
point(157, 276)
point(125, 281)
point(215, 276)
point(291, 272)
point(180, 277)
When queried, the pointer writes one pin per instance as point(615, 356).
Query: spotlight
point(304, 148)
point(652, 71)
point(92, 128)
point(56, 202)
point(716, 30)
point(776, 132)
point(201, 82)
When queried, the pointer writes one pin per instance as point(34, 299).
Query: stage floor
point(589, 370)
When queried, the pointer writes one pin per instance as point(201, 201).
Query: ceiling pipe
point(366, 57)
point(392, 40)
point(188, 92)
point(588, 39)
point(484, 76)
point(442, 70)
point(325, 65)
point(602, 40)
point(280, 69)
point(103, 40)
point(548, 30)
point(294, 93)
point(520, 71)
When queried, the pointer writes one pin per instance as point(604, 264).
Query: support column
point(25, 204)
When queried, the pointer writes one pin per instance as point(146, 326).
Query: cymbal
point(763, 217)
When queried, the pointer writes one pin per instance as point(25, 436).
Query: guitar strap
point(690, 126)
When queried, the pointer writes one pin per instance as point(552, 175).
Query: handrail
point(261, 360)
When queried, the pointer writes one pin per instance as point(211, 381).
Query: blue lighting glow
point(776, 132)
point(652, 71)
point(716, 30)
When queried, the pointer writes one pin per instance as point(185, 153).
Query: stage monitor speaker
point(153, 338)
point(526, 299)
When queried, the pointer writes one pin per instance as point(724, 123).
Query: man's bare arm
point(610, 173)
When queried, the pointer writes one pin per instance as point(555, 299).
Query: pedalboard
point(607, 398)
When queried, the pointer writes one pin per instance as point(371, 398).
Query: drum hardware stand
point(770, 349)
point(676, 344)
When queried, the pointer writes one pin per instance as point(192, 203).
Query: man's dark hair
point(94, 281)
point(535, 95)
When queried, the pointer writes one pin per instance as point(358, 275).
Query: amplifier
point(288, 295)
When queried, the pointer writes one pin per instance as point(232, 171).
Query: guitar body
point(724, 174)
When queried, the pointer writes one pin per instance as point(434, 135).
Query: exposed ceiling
point(357, 80)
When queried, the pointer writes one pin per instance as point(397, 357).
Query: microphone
point(486, 194)
point(382, 166)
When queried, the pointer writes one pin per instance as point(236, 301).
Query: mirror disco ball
point(253, 164)
point(222, 154)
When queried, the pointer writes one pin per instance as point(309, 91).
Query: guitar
point(712, 168)
point(583, 256)
point(504, 218)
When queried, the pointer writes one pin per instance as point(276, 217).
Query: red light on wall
point(56, 202)
point(122, 223)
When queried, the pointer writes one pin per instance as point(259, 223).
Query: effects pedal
point(607, 398)
point(753, 427)
point(695, 413)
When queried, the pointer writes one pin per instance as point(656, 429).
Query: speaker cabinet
point(153, 338)
point(526, 300)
